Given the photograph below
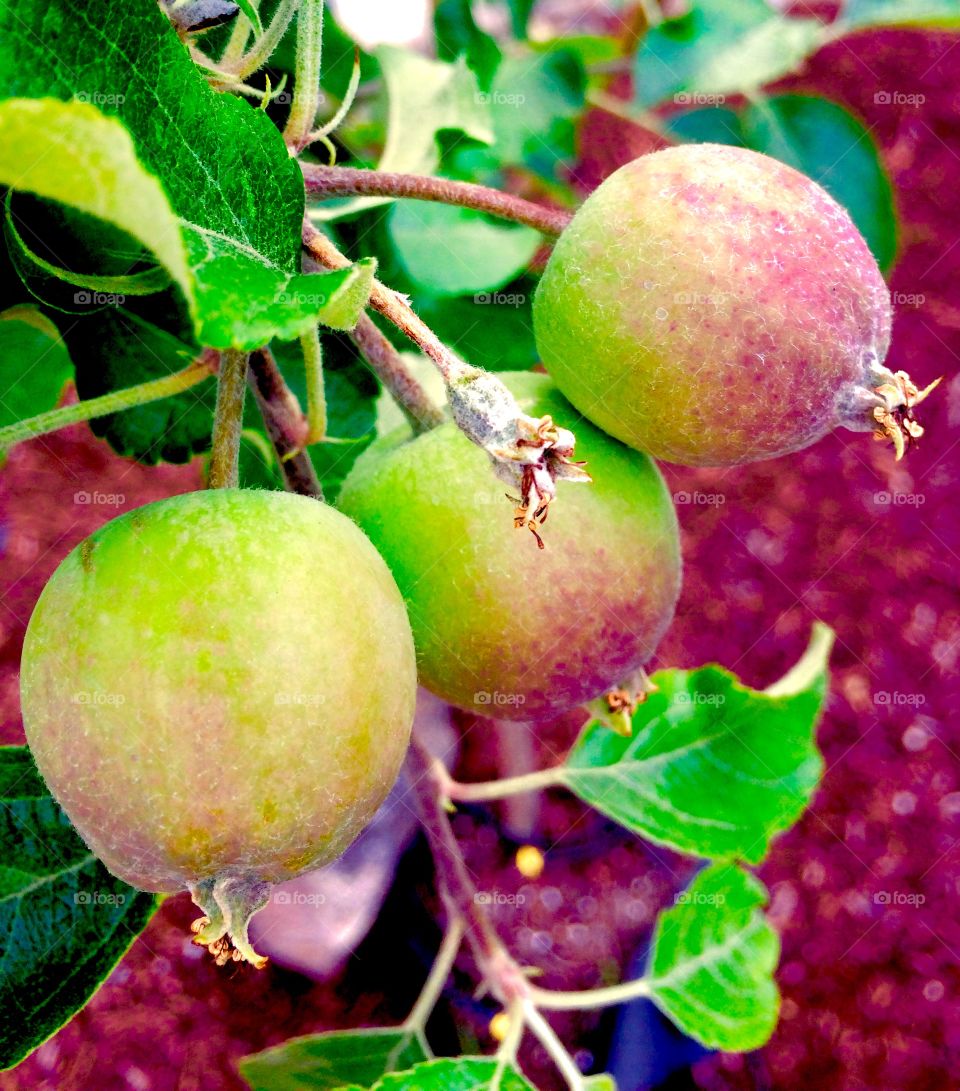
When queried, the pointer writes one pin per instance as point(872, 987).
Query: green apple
point(502, 627)
point(218, 688)
point(713, 306)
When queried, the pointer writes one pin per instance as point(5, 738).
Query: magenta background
point(871, 990)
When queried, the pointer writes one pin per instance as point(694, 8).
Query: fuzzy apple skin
point(501, 627)
point(219, 684)
point(712, 306)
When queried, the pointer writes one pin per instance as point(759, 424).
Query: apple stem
point(392, 307)
point(228, 421)
point(316, 394)
point(325, 182)
point(115, 402)
point(486, 791)
point(810, 666)
point(528, 454)
point(507, 979)
point(452, 873)
point(306, 83)
point(387, 364)
point(556, 1050)
point(268, 41)
point(285, 423)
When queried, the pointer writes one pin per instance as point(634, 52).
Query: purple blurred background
point(864, 890)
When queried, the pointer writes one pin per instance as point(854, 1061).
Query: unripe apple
point(218, 688)
point(501, 627)
point(713, 306)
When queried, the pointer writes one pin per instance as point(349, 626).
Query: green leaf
point(594, 51)
point(250, 10)
point(225, 278)
point(424, 98)
point(857, 14)
point(325, 1062)
point(721, 47)
point(454, 1074)
point(456, 251)
point(65, 921)
point(600, 1082)
point(345, 298)
point(534, 101)
point(289, 303)
point(55, 285)
point(713, 960)
point(351, 391)
point(520, 16)
point(35, 364)
point(123, 346)
point(236, 296)
point(493, 330)
point(713, 768)
point(258, 467)
point(222, 162)
point(708, 125)
point(830, 145)
point(457, 34)
point(202, 179)
point(72, 153)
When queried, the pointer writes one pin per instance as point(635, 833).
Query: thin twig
point(486, 790)
point(448, 859)
point(384, 360)
point(557, 1051)
point(387, 364)
point(529, 454)
point(285, 423)
point(391, 306)
point(306, 85)
point(228, 421)
point(268, 41)
point(114, 402)
point(587, 999)
point(316, 392)
point(510, 1046)
point(506, 978)
point(323, 181)
point(437, 978)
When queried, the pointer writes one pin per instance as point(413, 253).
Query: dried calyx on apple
point(712, 306)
